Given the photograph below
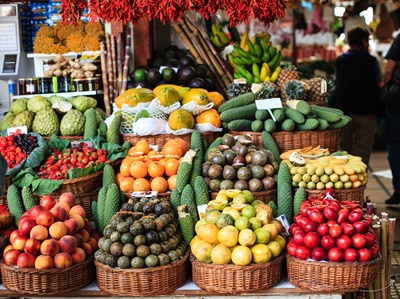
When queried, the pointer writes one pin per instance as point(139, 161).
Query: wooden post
point(142, 42)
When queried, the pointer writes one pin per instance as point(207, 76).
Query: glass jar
point(21, 86)
point(92, 84)
point(45, 85)
point(31, 86)
point(79, 85)
point(64, 84)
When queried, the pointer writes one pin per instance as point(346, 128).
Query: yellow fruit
point(216, 98)
point(197, 95)
point(180, 89)
point(261, 253)
point(273, 230)
point(168, 96)
point(202, 252)
point(195, 241)
point(247, 237)
point(241, 255)
point(134, 96)
point(221, 254)
point(209, 116)
point(281, 241)
point(228, 235)
point(199, 223)
point(208, 232)
point(181, 119)
point(232, 192)
point(231, 211)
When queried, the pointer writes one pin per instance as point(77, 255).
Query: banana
point(243, 40)
point(256, 70)
point(272, 51)
point(348, 170)
point(231, 62)
point(237, 49)
point(259, 52)
point(278, 61)
point(337, 169)
point(216, 41)
point(267, 79)
point(265, 71)
point(257, 80)
point(255, 59)
point(224, 38)
point(275, 74)
point(214, 29)
point(251, 47)
point(253, 39)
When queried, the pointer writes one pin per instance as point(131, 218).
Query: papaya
point(180, 89)
point(181, 119)
point(216, 98)
point(134, 96)
point(168, 96)
point(197, 95)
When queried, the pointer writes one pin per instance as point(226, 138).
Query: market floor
point(379, 188)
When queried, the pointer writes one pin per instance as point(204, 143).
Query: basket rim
point(233, 267)
point(167, 134)
point(333, 264)
point(285, 132)
point(147, 269)
point(256, 193)
point(337, 190)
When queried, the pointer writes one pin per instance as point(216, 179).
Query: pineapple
point(289, 72)
point(268, 90)
point(318, 91)
point(295, 90)
point(235, 89)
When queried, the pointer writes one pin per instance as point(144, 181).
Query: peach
point(39, 232)
point(44, 262)
point(59, 212)
point(62, 260)
point(11, 256)
point(72, 226)
point(8, 247)
point(26, 260)
point(78, 256)
point(88, 226)
point(87, 248)
point(79, 210)
point(26, 225)
point(23, 218)
point(19, 242)
point(45, 218)
point(68, 244)
point(35, 210)
point(47, 202)
point(64, 205)
point(93, 244)
point(85, 235)
point(58, 230)
point(81, 222)
point(32, 246)
point(95, 234)
point(49, 247)
point(79, 239)
point(14, 234)
point(68, 198)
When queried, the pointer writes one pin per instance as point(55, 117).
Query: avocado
point(172, 63)
point(201, 71)
point(209, 84)
point(169, 75)
point(186, 61)
point(197, 83)
point(153, 76)
point(157, 63)
point(186, 74)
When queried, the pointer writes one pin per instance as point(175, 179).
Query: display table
point(282, 290)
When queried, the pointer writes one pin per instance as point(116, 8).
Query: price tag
point(154, 147)
point(324, 87)
point(80, 143)
point(144, 194)
point(268, 104)
point(239, 81)
point(164, 67)
point(285, 223)
point(201, 210)
point(19, 130)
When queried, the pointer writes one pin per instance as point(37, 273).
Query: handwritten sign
point(269, 104)
point(19, 130)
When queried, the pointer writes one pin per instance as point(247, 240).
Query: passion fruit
point(142, 251)
point(229, 173)
point(244, 173)
point(151, 261)
point(137, 262)
point(215, 171)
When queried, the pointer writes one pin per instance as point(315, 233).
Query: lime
point(338, 185)
point(310, 185)
point(249, 196)
point(139, 75)
point(262, 235)
point(297, 178)
point(168, 74)
point(248, 211)
point(255, 223)
point(242, 223)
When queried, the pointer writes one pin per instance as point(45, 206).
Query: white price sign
point(20, 130)
point(269, 104)
point(79, 143)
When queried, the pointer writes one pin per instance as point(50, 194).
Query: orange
point(141, 184)
point(216, 98)
point(119, 177)
point(209, 116)
point(138, 169)
point(172, 182)
point(126, 184)
point(132, 151)
point(171, 167)
point(172, 148)
point(182, 143)
point(162, 162)
point(155, 169)
point(159, 184)
point(124, 169)
point(142, 146)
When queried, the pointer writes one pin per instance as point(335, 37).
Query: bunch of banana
point(255, 59)
point(218, 37)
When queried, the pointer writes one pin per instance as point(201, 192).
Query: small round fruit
point(261, 253)
point(241, 255)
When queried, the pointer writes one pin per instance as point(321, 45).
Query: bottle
point(11, 88)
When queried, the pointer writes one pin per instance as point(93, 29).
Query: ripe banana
point(265, 71)
point(275, 74)
point(243, 41)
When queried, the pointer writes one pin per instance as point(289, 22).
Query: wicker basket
point(128, 195)
point(327, 276)
point(265, 196)
point(160, 140)
point(47, 282)
point(71, 138)
point(356, 194)
point(232, 279)
point(142, 282)
point(292, 140)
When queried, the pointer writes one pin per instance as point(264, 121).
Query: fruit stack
point(52, 235)
point(6, 227)
point(338, 232)
point(236, 229)
point(143, 234)
point(239, 164)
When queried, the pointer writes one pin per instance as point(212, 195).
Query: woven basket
point(142, 282)
point(47, 282)
point(160, 140)
point(293, 140)
point(265, 196)
point(356, 194)
point(71, 138)
point(327, 276)
point(128, 195)
point(232, 279)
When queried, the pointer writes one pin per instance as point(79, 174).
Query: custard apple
point(24, 119)
point(54, 99)
point(83, 103)
point(100, 114)
point(38, 103)
point(7, 121)
point(46, 123)
point(19, 105)
point(73, 123)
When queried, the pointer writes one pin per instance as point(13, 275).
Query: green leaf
point(24, 178)
point(116, 151)
point(78, 172)
point(3, 169)
point(60, 144)
point(44, 187)
point(13, 171)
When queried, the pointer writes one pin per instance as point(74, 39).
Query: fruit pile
point(148, 170)
point(332, 230)
point(16, 147)
point(6, 227)
point(255, 59)
point(338, 171)
point(144, 233)
point(239, 229)
point(239, 165)
point(51, 235)
point(82, 156)
point(55, 115)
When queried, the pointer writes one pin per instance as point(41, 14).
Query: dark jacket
point(357, 83)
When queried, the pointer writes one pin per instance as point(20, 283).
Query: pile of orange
point(145, 169)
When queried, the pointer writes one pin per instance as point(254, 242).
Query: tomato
point(323, 229)
point(343, 242)
point(335, 254)
point(348, 229)
point(356, 215)
point(298, 238)
point(359, 227)
point(291, 248)
point(343, 215)
point(335, 231)
point(358, 241)
point(318, 254)
point(370, 237)
point(303, 252)
point(364, 255)
point(312, 239)
point(316, 216)
point(351, 255)
point(327, 242)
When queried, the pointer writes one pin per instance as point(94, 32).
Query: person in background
point(392, 125)
point(357, 94)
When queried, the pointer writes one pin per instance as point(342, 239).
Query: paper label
point(285, 223)
point(268, 104)
point(144, 194)
point(240, 81)
point(201, 210)
point(19, 130)
point(154, 147)
point(165, 67)
point(80, 143)
point(324, 87)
